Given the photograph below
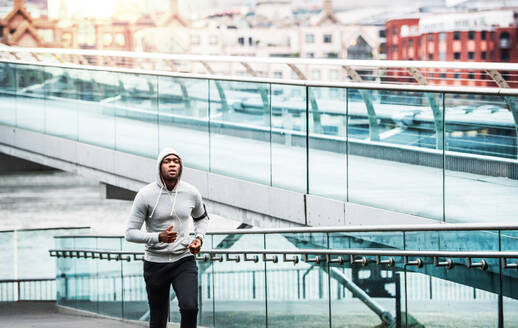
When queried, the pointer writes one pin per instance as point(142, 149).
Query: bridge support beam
point(10, 164)
point(114, 192)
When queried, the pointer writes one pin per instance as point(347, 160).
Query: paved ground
point(45, 315)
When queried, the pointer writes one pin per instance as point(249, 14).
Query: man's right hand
point(167, 236)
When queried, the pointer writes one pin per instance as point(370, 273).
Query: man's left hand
point(195, 246)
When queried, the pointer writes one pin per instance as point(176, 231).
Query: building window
point(333, 74)
point(310, 38)
point(442, 36)
point(456, 35)
point(241, 40)
point(277, 74)
point(328, 38)
point(310, 55)
point(249, 41)
point(213, 40)
point(107, 39)
point(483, 35)
point(394, 30)
point(119, 39)
point(483, 55)
point(456, 76)
point(471, 55)
point(382, 33)
point(504, 54)
point(456, 55)
point(331, 55)
point(394, 48)
point(430, 37)
point(195, 39)
point(411, 43)
point(443, 75)
point(471, 35)
point(471, 76)
point(430, 56)
point(442, 56)
point(315, 74)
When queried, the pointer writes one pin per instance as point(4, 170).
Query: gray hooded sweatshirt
point(160, 208)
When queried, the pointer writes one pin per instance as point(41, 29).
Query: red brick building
point(490, 36)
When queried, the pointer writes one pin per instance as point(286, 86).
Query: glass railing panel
point(509, 243)
point(34, 244)
point(7, 290)
point(472, 292)
point(240, 130)
point(289, 137)
point(206, 288)
point(184, 119)
point(65, 273)
point(395, 133)
point(84, 281)
point(30, 97)
point(134, 288)
point(382, 284)
point(8, 94)
point(481, 158)
point(109, 280)
point(297, 294)
point(7, 254)
point(97, 94)
point(136, 115)
point(239, 290)
point(327, 142)
point(61, 101)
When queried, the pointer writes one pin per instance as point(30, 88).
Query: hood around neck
point(164, 153)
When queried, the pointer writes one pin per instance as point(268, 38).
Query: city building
point(486, 36)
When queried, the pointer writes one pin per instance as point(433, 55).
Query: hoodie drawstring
point(174, 201)
point(156, 203)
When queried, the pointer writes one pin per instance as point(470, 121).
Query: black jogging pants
point(183, 275)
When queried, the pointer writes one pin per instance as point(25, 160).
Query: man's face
point(170, 168)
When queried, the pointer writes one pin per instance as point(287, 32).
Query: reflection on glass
point(134, 288)
point(109, 280)
point(239, 291)
point(297, 294)
point(65, 273)
point(289, 137)
point(509, 240)
point(327, 143)
point(7, 94)
point(136, 115)
point(61, 101)
point(395, 152)
point(382, 284)
point(84, 281)
point(96, 93)
point(183, 119)
point(7, 256)
point(432, 291)
point(240, 130)
point(30, 97)
point(481, 150)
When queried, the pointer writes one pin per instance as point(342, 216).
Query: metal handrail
point(306, 83)
point(273, 60)
point(352, 254)
point(3, 281)
point(358, 228)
